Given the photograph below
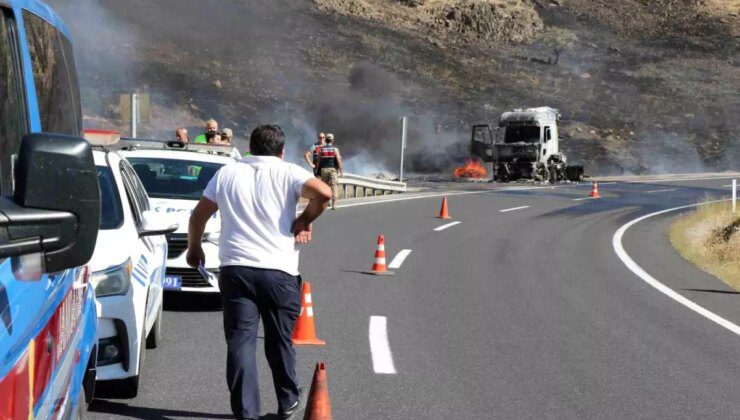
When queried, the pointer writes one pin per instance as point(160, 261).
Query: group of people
point(211, 135)
point(326, 161)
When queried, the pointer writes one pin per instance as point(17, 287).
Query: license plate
point(172, 282)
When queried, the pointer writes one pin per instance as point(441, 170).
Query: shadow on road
point(192, 302)
point(725, 292)
point(122, 409)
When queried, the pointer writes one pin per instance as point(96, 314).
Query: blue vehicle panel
point(47, 322)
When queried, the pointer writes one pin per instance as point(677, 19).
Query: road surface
point(521, 310)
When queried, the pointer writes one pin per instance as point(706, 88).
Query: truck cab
point(525, 145)
point(49, 218)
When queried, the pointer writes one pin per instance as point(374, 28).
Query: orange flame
point(472, 169)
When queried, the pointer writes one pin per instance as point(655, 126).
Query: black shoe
point(296, 407)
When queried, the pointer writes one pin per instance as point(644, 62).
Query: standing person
point(181, 134)
point(312, 155)
point(330, 168)
point(210, 127)
point(257, 197)
point(213, 137)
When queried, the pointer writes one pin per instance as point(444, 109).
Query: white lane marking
point(647, 278)
point(448, 225)
point(660, 191)
point(584, 198)
point(727, 186)
point(513, 209)
point(379, 347)
point(399, 258)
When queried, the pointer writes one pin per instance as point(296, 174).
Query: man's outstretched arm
point(319, 195)
point(196, 227)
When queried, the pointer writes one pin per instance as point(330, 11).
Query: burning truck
point(525, 145)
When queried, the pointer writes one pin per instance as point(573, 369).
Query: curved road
point(525, 313)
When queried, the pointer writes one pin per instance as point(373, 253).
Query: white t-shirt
point(258, 197)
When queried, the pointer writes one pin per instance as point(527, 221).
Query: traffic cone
point(318, 406)
point(304, 332)
point(444, 212)
point(595, 191)
point(379, 266)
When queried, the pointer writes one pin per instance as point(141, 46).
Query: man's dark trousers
point(248, 294)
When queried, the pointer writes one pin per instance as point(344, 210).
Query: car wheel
point(155, 335)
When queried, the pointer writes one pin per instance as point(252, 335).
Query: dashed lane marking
point(513, 209)
point(448, 225)
point(660, 191)
point(379, 347)
point(399, 258)
point(584, 198)
point(647, 278)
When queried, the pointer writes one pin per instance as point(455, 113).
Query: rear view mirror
point(56, 207)
point(154, 224)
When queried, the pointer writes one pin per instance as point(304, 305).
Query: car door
point(154, 248)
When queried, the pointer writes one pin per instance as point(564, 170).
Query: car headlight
point(113, 281)
point(212, 237)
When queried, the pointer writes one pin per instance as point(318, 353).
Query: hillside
point(654, 92)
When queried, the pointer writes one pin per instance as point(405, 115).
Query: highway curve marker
point(379, 266)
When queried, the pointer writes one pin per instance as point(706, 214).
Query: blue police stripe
point(140, 281)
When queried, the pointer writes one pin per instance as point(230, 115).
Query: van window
point(12, 114)
point(57, 108)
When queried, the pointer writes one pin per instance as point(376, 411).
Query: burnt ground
point(633, 100)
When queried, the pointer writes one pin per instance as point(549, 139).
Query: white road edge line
point(513, 209)
point(448, 225)
point(660, 191)
point(379, 347)
point(584, 198)
point(399, 258)
point(647, 278)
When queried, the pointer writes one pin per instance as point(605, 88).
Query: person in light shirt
point(257, 198)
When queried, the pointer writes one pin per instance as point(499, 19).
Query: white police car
point(175, 175)
point(128, 271)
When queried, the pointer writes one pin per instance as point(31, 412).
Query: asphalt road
point(527, 313)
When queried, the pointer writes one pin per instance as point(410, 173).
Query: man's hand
point(195, 256)
point(302, 230)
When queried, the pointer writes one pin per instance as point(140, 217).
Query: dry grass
point(701, 237)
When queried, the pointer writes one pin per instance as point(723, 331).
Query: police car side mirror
point(154, 224)
point(55, 211)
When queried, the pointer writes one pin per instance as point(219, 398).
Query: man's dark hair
point(329, 140)
point(267, 140)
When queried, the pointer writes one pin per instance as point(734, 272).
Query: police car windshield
point(111, 212)
point(522, 134)
point(173, 178)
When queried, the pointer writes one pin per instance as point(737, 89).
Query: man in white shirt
point(257, 198)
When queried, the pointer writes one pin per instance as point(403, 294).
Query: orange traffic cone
point(304, 332)
point(595, 191)
point(318, 406)
point(444, 212)
point(379, 266)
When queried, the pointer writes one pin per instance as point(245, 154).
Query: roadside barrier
point(444, 211)
point(304, 333)
point(595, 191)
point(353, 186)
point(318, 406)
point(379, 266)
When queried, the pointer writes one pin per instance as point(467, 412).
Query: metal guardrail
point(352, 186)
